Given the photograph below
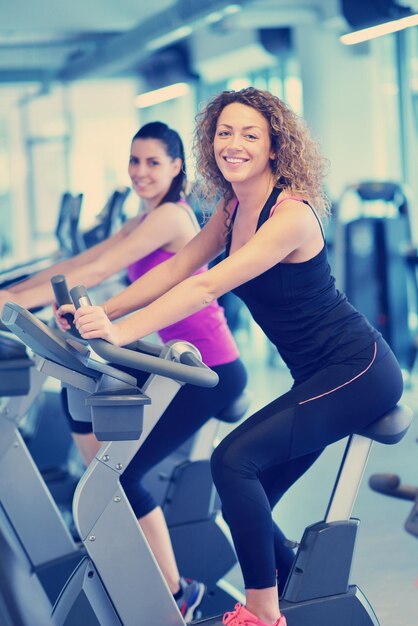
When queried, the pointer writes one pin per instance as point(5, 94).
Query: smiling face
point(151, 170)
point(242, 144)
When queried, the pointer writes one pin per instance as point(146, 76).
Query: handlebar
point(390, 485)
point(188, 368)
point(62, 296)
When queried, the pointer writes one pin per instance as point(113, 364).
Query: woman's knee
point(141, 500)
point(144, 506)
point(227, 460)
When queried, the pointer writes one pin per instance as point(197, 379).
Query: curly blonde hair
point(298, 167)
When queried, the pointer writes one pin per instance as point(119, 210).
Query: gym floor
point(386, 560)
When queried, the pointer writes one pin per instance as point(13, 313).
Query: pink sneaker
point(241, 616)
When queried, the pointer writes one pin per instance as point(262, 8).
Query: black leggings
point(190, 409)
point(257, 463)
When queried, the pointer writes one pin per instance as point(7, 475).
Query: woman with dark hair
point(158, 175)
point(166, 224)
point(258, 156)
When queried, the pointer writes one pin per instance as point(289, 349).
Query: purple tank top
point(207, 329)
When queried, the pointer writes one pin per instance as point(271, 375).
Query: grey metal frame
point(111, 533)
point(104, 518)
point(349, 479)
point(24, 497)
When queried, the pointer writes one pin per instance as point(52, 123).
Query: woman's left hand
point(93, 323)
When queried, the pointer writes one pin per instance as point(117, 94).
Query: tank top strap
point(231, 223)
point(274, 207)
point(234, 212)
point(299, 199)
point(183, 204)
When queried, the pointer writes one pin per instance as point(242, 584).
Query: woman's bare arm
point(287, 230)
point(204, 247)
point(162, 226)
point(72, 263)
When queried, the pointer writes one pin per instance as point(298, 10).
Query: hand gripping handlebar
point(187, 367)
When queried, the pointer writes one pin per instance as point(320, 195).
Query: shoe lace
point(233, 615)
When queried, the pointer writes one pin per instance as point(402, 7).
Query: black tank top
point(300, 310)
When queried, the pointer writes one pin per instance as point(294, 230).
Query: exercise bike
point(318, 589)
point(203, 549)
point(182, 484)
point(104, 588)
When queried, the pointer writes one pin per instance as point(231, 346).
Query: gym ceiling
point(48, 41)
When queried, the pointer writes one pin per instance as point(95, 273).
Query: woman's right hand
point(93, 323)
point(59, 313)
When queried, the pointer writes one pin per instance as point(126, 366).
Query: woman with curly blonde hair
point(260, 160)
point(300, 168)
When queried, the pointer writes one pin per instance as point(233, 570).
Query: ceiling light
point(213, 18)
point(169, 38)
point(232, 8)
point(372, 32)
point(157, 96)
